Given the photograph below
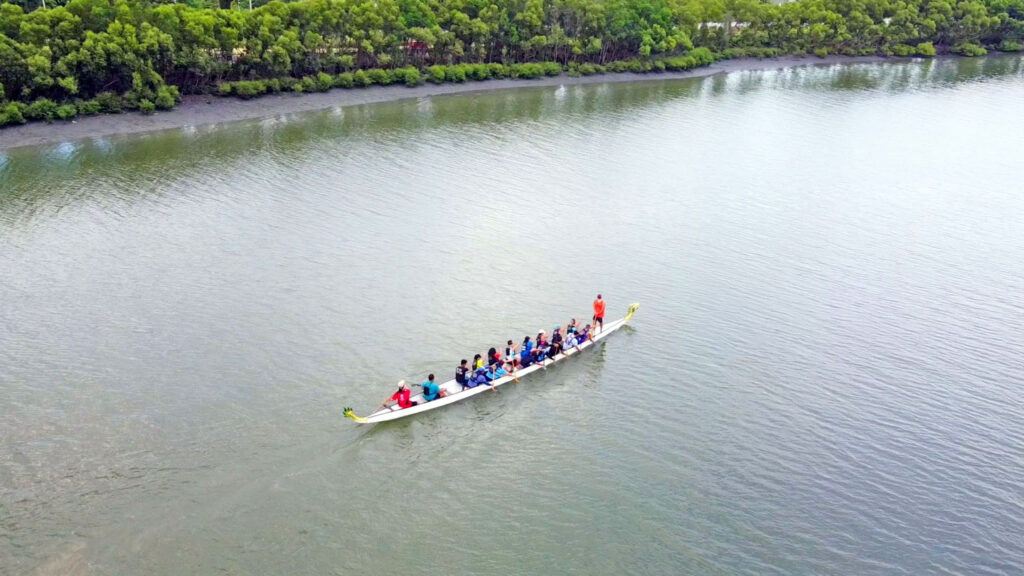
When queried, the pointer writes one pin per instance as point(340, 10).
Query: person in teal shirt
point(432, 391)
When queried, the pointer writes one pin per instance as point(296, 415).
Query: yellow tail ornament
point(632, 309)
point(350, 414)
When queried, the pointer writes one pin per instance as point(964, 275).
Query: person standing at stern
point(599, 313)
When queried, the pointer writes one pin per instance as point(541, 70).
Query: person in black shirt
point(460, 373)
point(556, 341)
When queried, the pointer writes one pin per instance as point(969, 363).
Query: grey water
point(825, 375)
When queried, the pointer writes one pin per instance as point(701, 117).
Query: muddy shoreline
point(205, 110)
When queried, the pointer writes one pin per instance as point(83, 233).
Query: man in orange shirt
point(599, 313)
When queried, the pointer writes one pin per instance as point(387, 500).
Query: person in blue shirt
point(432, 391)
point(526, 353)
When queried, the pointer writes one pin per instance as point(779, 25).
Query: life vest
point(430, 389)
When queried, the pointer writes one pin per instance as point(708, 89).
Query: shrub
point(496, 70)
point(165, 99)
point(702, 56)
point(41, 109)
point(531, 70)
point(587, 69)
point(638, 66)
point(633, 65)
point(926, 49)
point(273, 85)
point(412, 76)
point(455, 73)
point(224, 88)
point(903, 50)
point(1, 91)
point(436, 74)
point(1004, 46)
point(324, 82)
point(527, 70)
point(88, 107)
point(360, 78)
point(344, 80)
point(67, 111)
point(309, 84)
point(69, 84)
point(288, 84)
point(109, 102)
point(379, 76)
point(146, 106)
point(969, 49)
point(247, 89)
point(479, 71)
point(822, 52)
point(130, 100)
point(680, 63)
point(298, 88)
point(346, 61)
point(13, 113)
point(552, 68)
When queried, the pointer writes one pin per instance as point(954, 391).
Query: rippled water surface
point(825, 375)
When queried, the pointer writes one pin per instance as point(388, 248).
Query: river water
point(825, 375)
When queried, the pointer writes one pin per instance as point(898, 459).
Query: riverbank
point(208, 109)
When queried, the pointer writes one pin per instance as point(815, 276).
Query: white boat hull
point(454, 390)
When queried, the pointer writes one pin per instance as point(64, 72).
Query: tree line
point(87, 56)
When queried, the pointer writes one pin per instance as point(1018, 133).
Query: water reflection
point(28, 177)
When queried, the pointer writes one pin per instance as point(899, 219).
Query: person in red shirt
point(599, 313)
point(402, 397)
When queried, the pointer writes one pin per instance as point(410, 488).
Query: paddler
point(402, 397)
point(510, 353)
point(526, 353)
point(432, 391)
point(583, 335)
point(462, 373)
point(599, 313)
point(556, 341)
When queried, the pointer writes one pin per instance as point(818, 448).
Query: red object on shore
point(417, 46)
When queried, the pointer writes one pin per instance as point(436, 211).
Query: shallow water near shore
point(824, 375)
